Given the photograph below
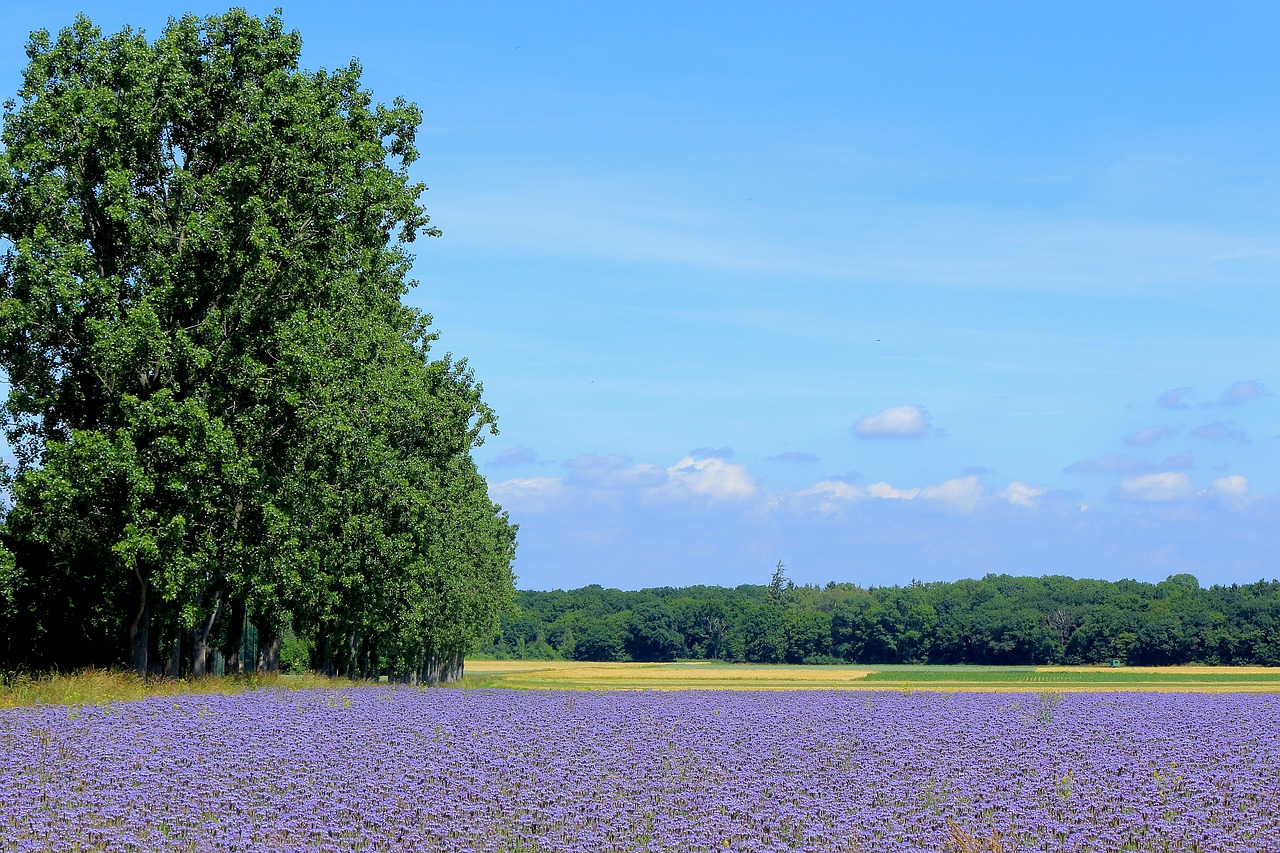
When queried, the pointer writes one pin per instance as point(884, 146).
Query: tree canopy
point(223, 414)
point(998, 619)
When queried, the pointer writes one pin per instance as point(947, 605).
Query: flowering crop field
point(381, 768)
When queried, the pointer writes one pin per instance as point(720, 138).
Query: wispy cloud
point(1243, 392)
point(1148, 436)
point(613, 472)
point(712, 453)
point(514, 456)
point(1219, 431)
point(1122, 463)
point(623, 218)
point(1114, 463)
point(1174, 398)
point(531, 494)
point(794, 456)
point(893, 422)
point(592, 461)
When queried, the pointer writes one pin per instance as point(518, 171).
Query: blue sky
point(886, 291)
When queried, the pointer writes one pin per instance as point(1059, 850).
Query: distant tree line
point(225, 420)
point(999, 619)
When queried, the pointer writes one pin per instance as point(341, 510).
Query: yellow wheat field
point(718, 676)
point(664, 676)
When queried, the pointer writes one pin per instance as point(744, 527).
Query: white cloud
point(893, 422)
point(1234, 484)
point(830, 496)
point(1232, 491)
point(711, 476)
point(962, 493)
point(1022, 494)
point(1161, 487)
point(836, 489)
point(1149, 436)
point(884, 491)
point(532, 494)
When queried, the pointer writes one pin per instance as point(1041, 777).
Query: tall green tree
point(223, 414)
point(651, 633)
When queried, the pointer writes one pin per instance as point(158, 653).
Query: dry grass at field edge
point(94, 686)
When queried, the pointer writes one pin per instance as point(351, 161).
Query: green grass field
point(712, 676)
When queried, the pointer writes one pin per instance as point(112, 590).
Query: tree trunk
point(140, 629)
point(353, 654)
point(269, 645)
point(235, 637)
point(410, 672)
point(443, 669)
point(173, 668)
point(324, 650)
point(201, 649)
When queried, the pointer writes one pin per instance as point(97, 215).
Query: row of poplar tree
point(222, 414)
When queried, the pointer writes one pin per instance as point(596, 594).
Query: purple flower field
point(497, 770)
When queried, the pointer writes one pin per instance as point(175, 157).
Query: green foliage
point(222, 412)
point(765, 633)
point(779, 585)
point(295, 652)
point(10, 583)
point(651, 633)
point(603, 639)
point(997, 620)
